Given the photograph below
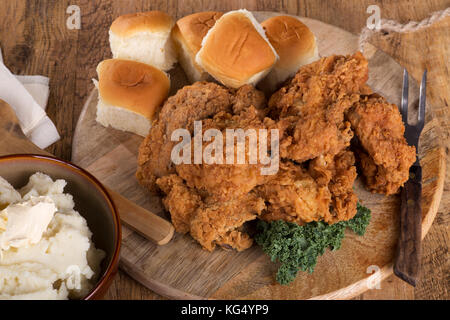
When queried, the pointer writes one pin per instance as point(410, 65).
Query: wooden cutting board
point(181, 269)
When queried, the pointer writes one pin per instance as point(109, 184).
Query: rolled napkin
point(28, 95)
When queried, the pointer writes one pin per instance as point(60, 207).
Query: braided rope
point(394, 26)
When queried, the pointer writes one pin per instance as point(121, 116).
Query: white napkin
point(28, 96)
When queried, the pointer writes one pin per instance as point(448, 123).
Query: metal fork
point(407, 261)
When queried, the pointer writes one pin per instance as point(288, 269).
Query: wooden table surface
point(35, 40)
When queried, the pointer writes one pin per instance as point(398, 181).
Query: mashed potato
point(64, 263)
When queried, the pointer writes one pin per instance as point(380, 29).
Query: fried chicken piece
point(321, 83)
point(387, 157)
point(199, 101)
point(323, 192)
point(196, 102)
point(310, 136)
point(210, 222)
point(219, 222)
point(338, 173)
point(294, 196)
point(314, 102)
point(181, 201)
point(227, 181)
point(247, 96)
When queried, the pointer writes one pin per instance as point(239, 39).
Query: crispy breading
point(314, 102)
point(219, 222)
point(196, 102)
point(386, 158)
point(210, 222)
point(180, 201)
point(311, 136)
point(199, 101)
point(247, 96)
point(321, 83)
point(227, 181)
point(293, 195)
point(316, 115)
point(338, 173)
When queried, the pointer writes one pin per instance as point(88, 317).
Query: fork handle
point(407, 261)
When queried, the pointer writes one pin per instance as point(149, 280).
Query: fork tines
point(412, 132)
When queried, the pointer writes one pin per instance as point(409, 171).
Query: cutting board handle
point(146, 223)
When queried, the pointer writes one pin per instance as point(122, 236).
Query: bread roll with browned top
point(188, 34)
point(295, 44)
point(130, 94)
point(236, 50)
point(144, 37)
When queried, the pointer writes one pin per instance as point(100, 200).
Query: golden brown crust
point(315, 114)
point(192, 28)
point(386, 157)
point(247, 96)
point(321, 84)
point(210, 222)
point(294, 196)
point(314, 102)
point(291, 39)
point(153, 21)
point(234, 50)
point(226, 181)
point(218, 223)
point(338, 173)
point(180, 201)
point(132, 85)
point(196, 102)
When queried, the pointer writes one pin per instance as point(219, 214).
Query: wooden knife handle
point(146, 223)
point(407, 261)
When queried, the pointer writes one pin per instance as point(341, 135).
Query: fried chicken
point(199, 101)
point(338, 173)
point(316, 114)
point(196, 102)
point(219, 222)
point(314, 102)
point(211, 201)
point(323, 192)
point(247, 96)
point(227, 181)
point(210, 222)
point(180, 201)
point(293, 195)
point(386, 157)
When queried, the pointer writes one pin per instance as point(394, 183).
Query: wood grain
point(142, 221)
point(12, 139)
point(39, 43)
point(111, 156)
point(409, 246)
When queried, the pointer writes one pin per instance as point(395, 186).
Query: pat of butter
point(23, 223)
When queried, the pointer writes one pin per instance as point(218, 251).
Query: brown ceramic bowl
point(92, 201)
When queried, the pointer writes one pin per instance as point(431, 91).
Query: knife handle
point(146, 223)
point(407, 261)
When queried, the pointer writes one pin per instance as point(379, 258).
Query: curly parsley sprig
point(298, 247)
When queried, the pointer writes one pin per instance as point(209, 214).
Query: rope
point(394, 26)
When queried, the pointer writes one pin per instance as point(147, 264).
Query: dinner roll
point(236, 50)
point(144, 37)
point(188, 34)
point(295, 45)
point(130, 94)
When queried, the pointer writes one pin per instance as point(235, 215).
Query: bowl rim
point(112, 266)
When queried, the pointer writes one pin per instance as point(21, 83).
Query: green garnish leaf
point(298, 247)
